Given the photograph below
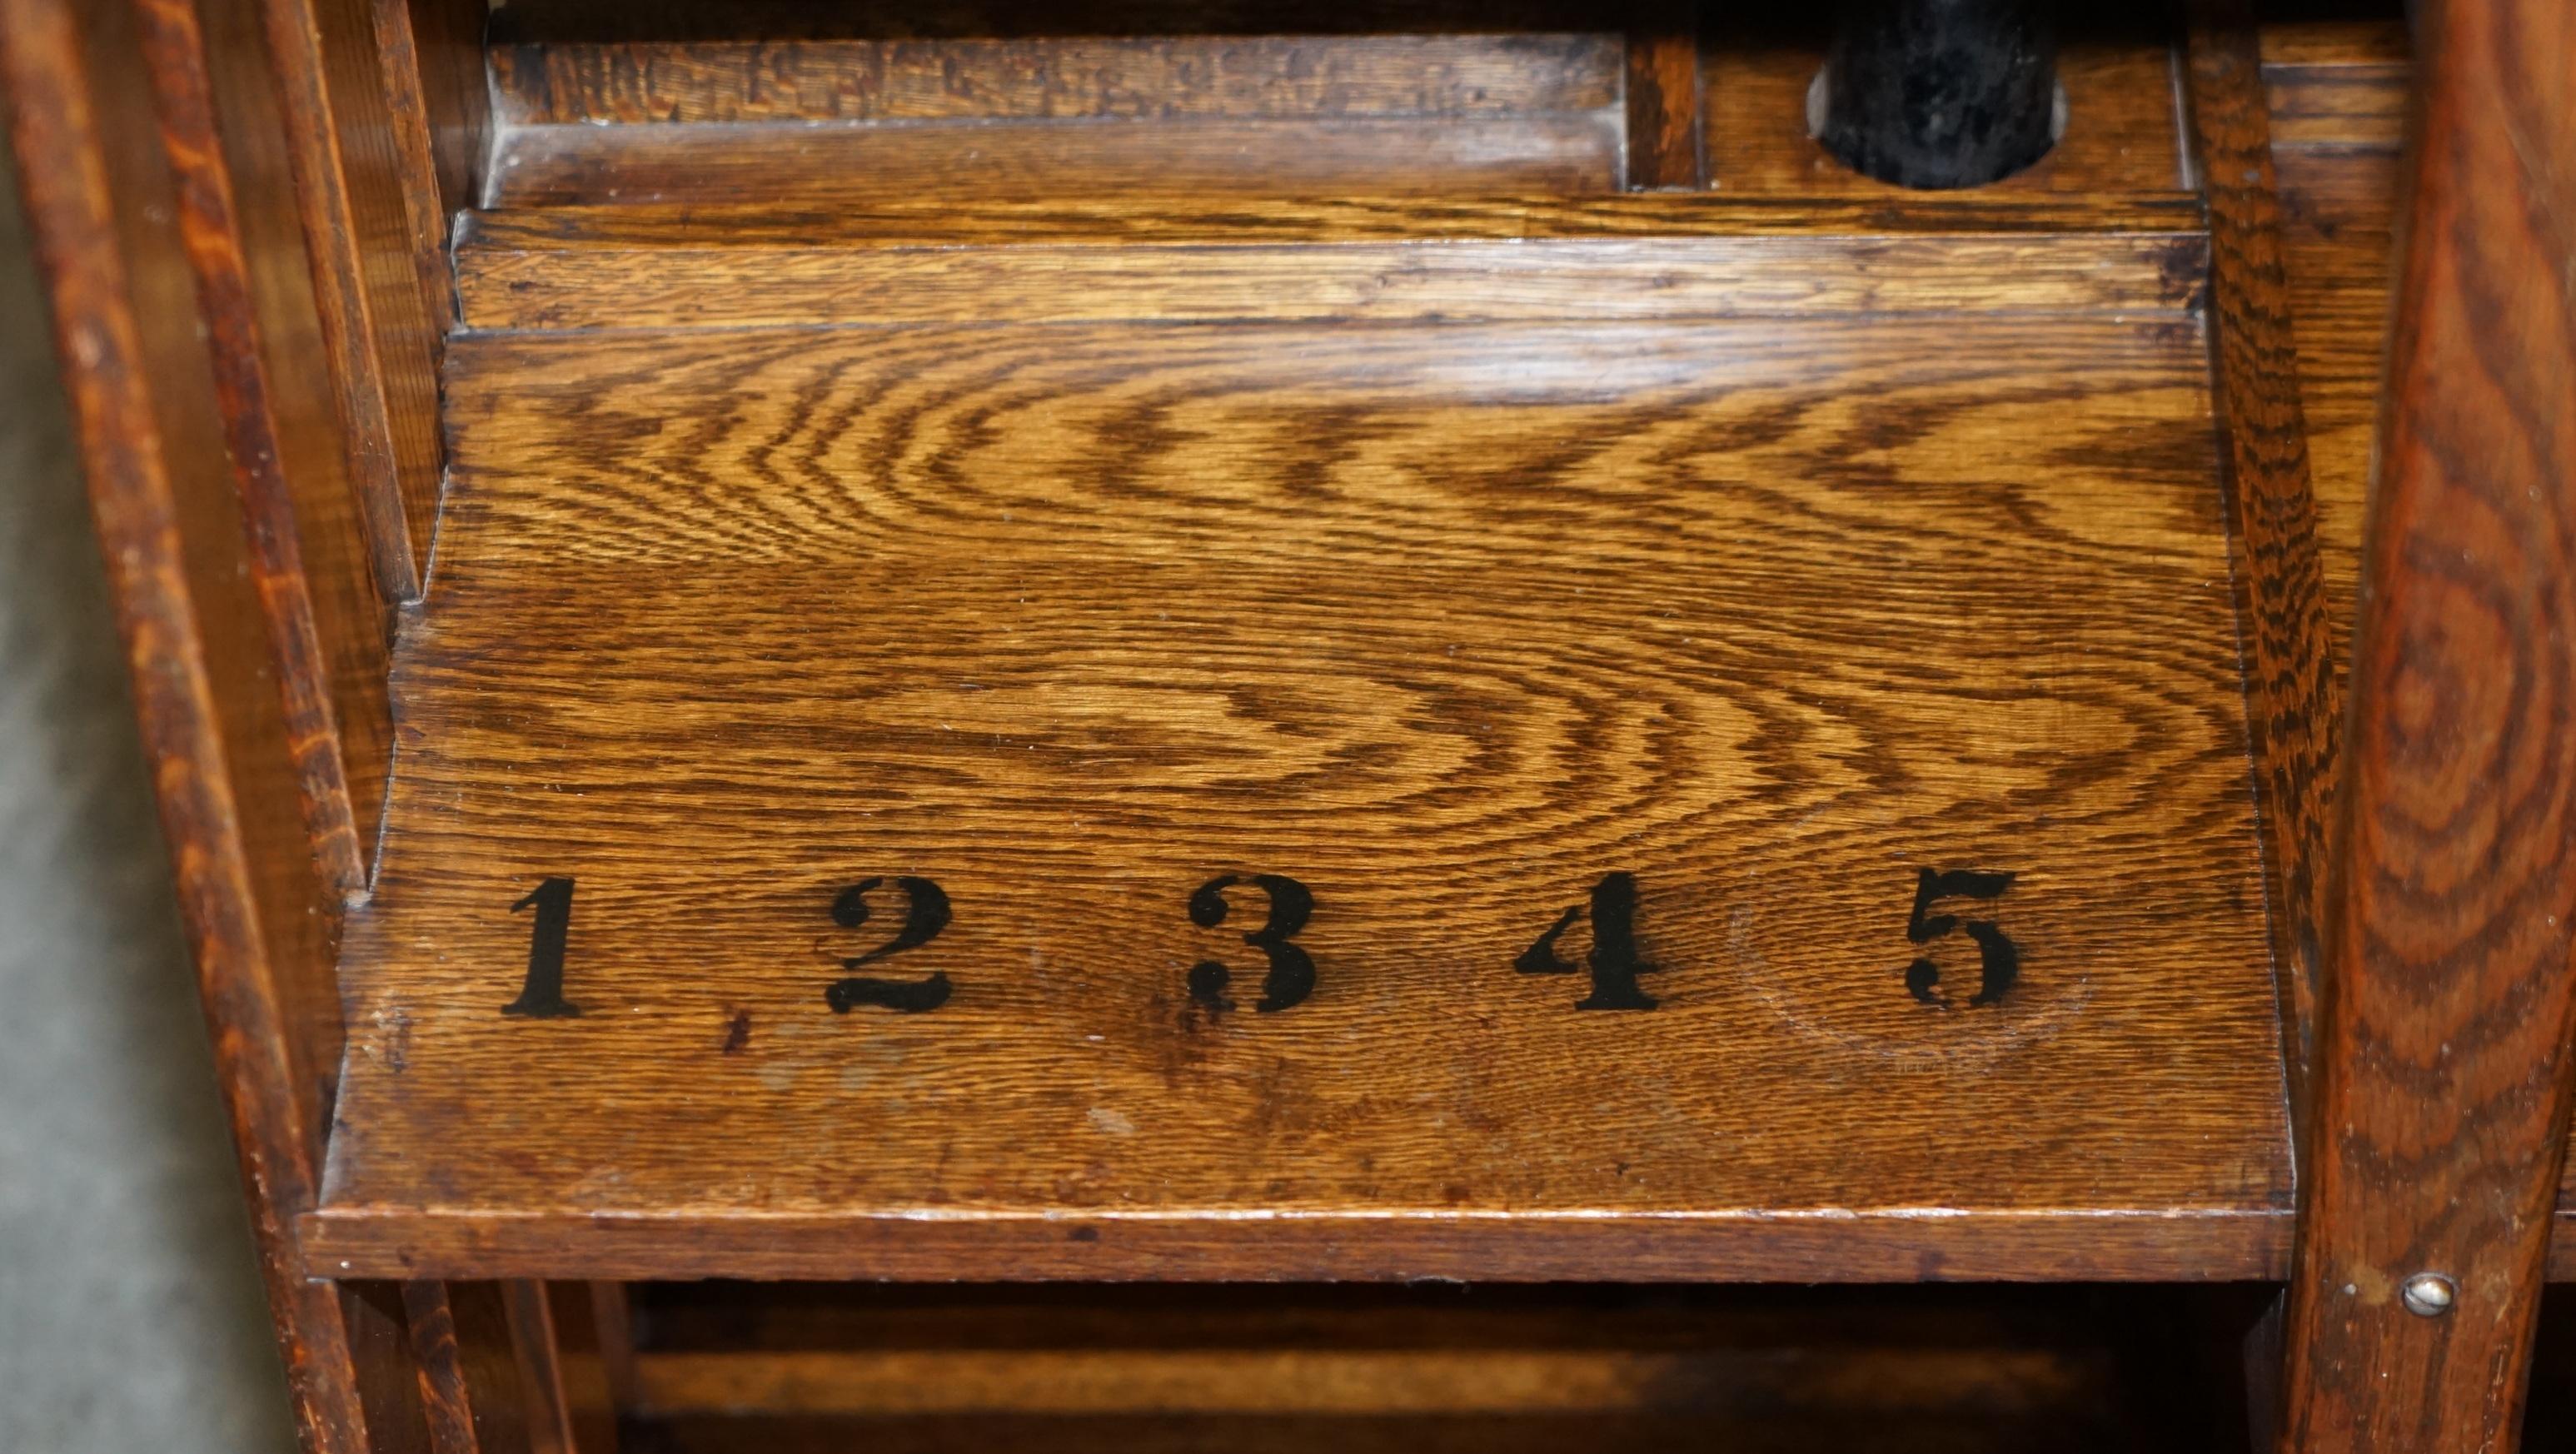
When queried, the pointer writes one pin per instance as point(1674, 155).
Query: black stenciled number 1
point(926, 912)
point(542, 996)
point(1998, 958)
point(1614, 961)
point(1292, 973)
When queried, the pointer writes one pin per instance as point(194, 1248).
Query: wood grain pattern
point(1446, 621)
point(447, 1403)
point(1409, 1382)
point(532, 1338)
point(1121, 77)
point(438, 113)
point(376, 324)
point(1638, 257)
point(1613, 1368)
point(2281, 605)
point(2122, 131)
point(2446, 1068)
point(351, 618)
point(2337, 83)
point(1665, 147)
point(174, 51)
point(143, 402)
point(554, 166)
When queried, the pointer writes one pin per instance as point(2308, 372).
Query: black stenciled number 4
point(925, 914)
point(1292, 973)
point(1614, 961)
point(1998, 958)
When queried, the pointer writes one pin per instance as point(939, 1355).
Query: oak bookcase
point(855, 699)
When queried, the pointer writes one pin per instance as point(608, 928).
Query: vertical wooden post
point(1666, 151)
point(2280, 582)
point(2445, 1062)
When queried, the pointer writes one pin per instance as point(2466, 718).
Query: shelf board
point(1725, 629)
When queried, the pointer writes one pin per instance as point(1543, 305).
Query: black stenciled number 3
point(1998, 958)
point(925, 914)
point(1292, 973)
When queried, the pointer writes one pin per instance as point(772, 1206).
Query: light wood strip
point(1143, 78)
point(846, 166)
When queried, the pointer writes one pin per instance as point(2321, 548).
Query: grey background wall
point(131, 1317)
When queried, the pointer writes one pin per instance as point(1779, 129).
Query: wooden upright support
point(2445, 1057)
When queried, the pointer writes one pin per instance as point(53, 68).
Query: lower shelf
point(1579, 793)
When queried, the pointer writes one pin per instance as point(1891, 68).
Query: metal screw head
point(2428, 1294)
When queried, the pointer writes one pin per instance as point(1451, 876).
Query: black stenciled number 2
point(1998, 958)
point(542, 996)
point(1614, 961)
point(926, 912)
point(1292, 973)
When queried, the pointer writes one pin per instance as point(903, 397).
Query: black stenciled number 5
point(1998, 958)
point(925, 914)
point(1292, 973)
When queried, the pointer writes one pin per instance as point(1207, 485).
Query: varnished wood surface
point(2122, 130)
point(1612, 1368)
point(1123, 77)
point(1446, 621)
point(2338, 191)
point(144, 404)
point(2337, 84)
point(2446, 1069)
point(838, 122)
point(2255, 362)
point(437, 99)
point(553, 166)
point(1664, 104)
point(175, 52)
point(1639, 257)
point(377, 327)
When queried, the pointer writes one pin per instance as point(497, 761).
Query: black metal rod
point(1939, 93)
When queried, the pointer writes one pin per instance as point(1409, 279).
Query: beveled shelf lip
point(1149, 217)
point(1748, 1245)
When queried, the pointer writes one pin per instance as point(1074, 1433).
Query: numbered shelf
point(1654, 737)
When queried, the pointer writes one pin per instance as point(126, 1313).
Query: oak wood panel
point(379, 333)
point(175, 53)
point(1630, 257)
point(2446, 1068)
point(2281, 589)
point(261, 922)
point(438, 112)
point(351, 616)
point(1446, 621)
point(2122, 130)
point(847, 166)
point(1665, 136)
point(2337, 83)
point(1123, 77)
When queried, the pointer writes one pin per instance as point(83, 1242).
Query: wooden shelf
point(1474, 609)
